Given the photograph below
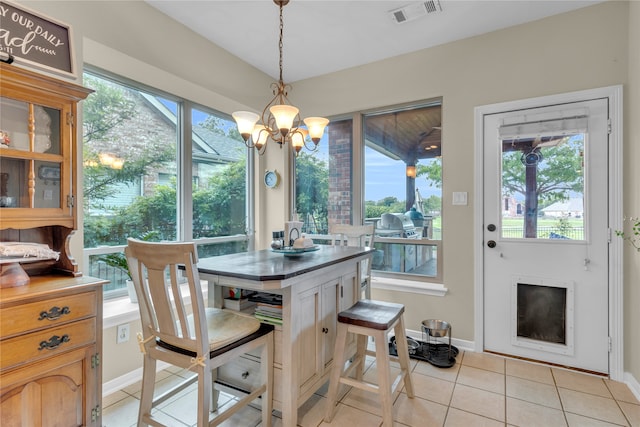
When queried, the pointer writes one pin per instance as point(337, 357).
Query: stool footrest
point(363, 385)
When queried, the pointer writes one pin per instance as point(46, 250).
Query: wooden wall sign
point(34, 40)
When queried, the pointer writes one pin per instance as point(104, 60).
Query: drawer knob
point(245, 374)
point(54, 342)
point(54, 313)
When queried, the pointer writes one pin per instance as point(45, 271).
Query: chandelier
point(280, 120)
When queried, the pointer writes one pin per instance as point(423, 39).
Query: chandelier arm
point(313, 145)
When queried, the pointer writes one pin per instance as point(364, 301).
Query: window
point(324, 180)
point(403, 190)
point(135, 186)
point(394, 156)
point(219, 180)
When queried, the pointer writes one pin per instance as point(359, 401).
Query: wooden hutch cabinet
point(50, 326)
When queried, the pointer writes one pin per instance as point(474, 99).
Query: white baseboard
point(633, 384)
point(127, 379)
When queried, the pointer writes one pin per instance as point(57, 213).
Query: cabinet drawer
point(43, 314)
point(39, 345)
point(242, 372)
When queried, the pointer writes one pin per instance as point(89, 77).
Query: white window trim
point(405, 285)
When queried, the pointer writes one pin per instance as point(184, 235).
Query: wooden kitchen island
point(315, 286)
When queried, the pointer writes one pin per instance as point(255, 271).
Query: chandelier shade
point(246, 120)
point(280, 121)
point(284, 115)
point(316, 126)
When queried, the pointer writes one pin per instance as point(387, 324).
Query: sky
point(384, 176)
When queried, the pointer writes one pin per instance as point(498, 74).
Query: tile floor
point(480, 390)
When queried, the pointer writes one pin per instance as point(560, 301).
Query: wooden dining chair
point(356, 235)
point(179, 330)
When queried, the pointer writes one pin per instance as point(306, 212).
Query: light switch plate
point(460, 198)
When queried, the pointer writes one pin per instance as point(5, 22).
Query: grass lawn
point(545, 225)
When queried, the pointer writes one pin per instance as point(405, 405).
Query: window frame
point(432, 284)
point(184, 202)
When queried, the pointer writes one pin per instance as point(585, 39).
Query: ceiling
point(323, 36)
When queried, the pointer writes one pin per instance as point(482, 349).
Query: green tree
point(312, 192)
point(558, 174)
point(433, 204)
point(216, 203)
point(103, 110)
point(386, 205)
point(106, 113)
point(216, 125)
point(431, 171)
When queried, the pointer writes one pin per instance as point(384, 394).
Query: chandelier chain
point(280, 120)
point(280, 43)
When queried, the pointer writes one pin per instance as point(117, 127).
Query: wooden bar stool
point(368, 318)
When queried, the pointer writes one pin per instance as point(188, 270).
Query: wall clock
point(271, 178)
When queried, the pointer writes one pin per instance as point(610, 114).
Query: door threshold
point(555, 365)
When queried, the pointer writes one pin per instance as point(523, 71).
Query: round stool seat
point(378, 315)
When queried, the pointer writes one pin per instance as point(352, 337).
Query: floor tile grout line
point(504, 367)
point(624, 414)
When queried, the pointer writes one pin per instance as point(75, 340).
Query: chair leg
point(405, 362)
point(148, 387)
point(336, 372)
point(361, 355)
point(205, 383)
point(266, 369)
point(384, 378)
point(215, 393)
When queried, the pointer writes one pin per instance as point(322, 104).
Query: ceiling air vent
point(414, 11)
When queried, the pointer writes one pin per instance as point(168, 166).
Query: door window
point(542, 178)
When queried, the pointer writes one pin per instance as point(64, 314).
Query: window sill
point(121, 310)
point(412, 286)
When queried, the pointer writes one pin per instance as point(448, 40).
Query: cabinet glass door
point(31, 155)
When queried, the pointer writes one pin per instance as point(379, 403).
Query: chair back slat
point(355, 235)
point(168, 295)
point(352, 235)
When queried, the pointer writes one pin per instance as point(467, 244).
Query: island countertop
point(266, 265)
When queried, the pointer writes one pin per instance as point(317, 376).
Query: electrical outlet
point(122, 333)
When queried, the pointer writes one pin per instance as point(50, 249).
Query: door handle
point(491, 244)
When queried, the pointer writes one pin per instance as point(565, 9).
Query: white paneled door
point(546, 234)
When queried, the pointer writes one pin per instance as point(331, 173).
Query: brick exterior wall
point(340, 159)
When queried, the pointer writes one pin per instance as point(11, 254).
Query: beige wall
point(632, 196)
point(574, 51)
point(579, 50)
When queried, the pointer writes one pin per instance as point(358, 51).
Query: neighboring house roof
point(212, 146)
point(207, 145)
point(571, 205)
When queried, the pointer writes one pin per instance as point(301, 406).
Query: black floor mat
point(436, 354)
